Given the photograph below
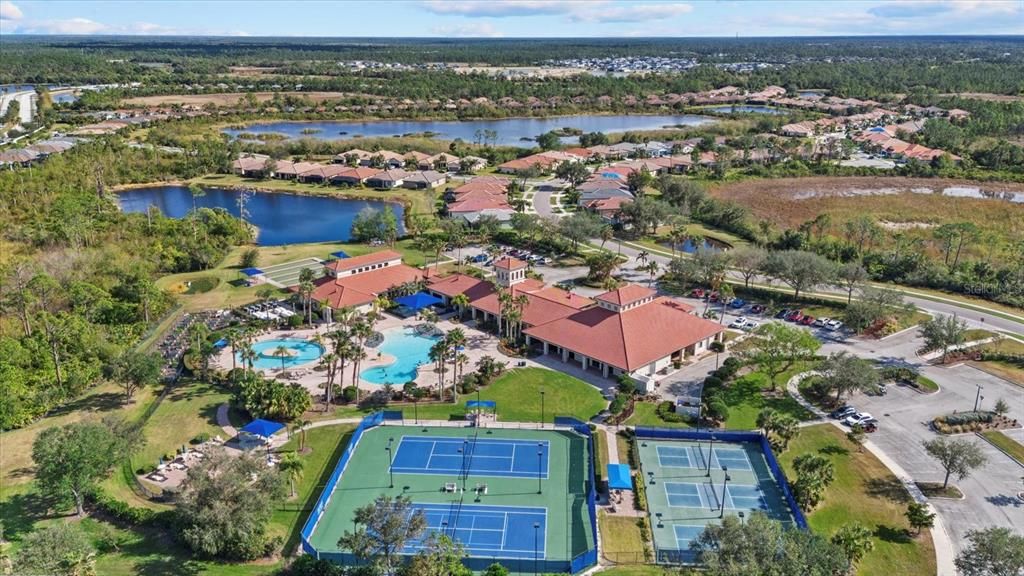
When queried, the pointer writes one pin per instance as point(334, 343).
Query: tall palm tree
point(643, 257)
point(651, 268)
point(456, 339)
point(282, 353)
point(291, 466)
point(461, 301)
point(234, 338)
point(676, 236)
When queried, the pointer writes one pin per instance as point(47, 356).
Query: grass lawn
point(864, 492)
point(925, 383)
point(517, 393)
point(936, 490)
point(645, 414)
point(637, 570)
point(1004, 346)
point(977, 334)
point(620, 538)
point(601, 457)
point(745, 398)
point(1006, 444)
point(1005, 370)
point(228, 293)
point(417, 201)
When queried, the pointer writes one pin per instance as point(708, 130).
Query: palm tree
point(461, 301)
point(291, 466)
point(456, 339)
point(439, 354)
point(651, 268)
point(766, 419)
point(434, 245)
point(607, 233)
point(282, 353)
point(643, 257)
point(234, 338)
point(676, 236)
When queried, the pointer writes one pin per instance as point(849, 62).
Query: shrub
point(666, 411)
point(201, 437)
point(961, 418)
point(295, 321)
point(713, 382)
point(618, 403)
point(126, 513)
point(349, 394)
point(899, 374)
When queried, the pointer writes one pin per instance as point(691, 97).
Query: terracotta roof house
point(607, 208)
point(354, 176)
point(387, 179)
point(355, 154)
point(251, 166)
point(356, 282)
point(472, 163)
point(424, 179)
point(543, 162)
point(416, 156)
point(442, 161)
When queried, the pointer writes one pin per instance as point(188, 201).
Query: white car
point(821, 322)
point(738, 323)
point(833, 325)
point(858, 419)
point(750, 326)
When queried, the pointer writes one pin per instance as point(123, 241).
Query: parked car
point(795, 316)
point(842, 413)
point(870, 427)
point(697, 293)
point(807, 320)
point(858, 418)
point(713, 296)
point(820, 322)
point(833, 325)
point(757, 309)
point(738, 323)
point(750, 326)
point(782, 314)
point(737, 303)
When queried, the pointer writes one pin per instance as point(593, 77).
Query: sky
point(512, 18)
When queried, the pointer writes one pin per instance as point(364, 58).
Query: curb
point(993, 444)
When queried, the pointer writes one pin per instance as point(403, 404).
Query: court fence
point(587, 558)
point(734, 436)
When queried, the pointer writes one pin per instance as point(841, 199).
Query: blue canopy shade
point(482, 404)
point(340, 254)
point(619, 478)
point(418, 301)
point(220, 343)
point(252, 271)
point(261, 427)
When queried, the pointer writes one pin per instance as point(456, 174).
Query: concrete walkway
point(224, 422)
point(613, 446)
point(940, 537)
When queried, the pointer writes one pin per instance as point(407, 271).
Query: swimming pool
point(299, 352)
point(409, 350)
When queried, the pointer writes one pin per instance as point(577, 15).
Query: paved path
point(940, 537)
point(613, 446)
point(542, 203)
point(224, 422)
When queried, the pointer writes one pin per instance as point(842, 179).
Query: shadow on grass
point(21, 511)
point(292, 541)
point(889, 488)
point(834, 450)
point(893, 535)
point(102, 402)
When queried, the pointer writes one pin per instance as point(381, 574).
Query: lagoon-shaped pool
point(281, 353)
point(409, 351)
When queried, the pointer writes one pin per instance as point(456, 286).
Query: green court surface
point(509, 522)
point(683, 498)
point(287, 273)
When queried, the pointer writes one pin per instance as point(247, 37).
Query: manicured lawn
point(1009, 445)
point(926, 383)
point(977, 334)
point(645, 414)
point(601, 458)
point(1005, 370)
point(864, 492)
point(745, 398)
point(620, 538)
point(517, 394)
point(636, 570)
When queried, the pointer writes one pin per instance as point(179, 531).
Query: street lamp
point(741, 515)
point(711, 452)
point(541, 407)
point(540, 460)
point(536, 533)
point(725, 482)
point(658, 514)
point(978, 397)
point(391, 472)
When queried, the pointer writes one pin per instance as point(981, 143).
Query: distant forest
point(862, 67)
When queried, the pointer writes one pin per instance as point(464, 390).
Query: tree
point(601, 266)
point(814, 473)
point(639, 180)
point(749, 261)
point(441, 556)
point(850, 277)
point(992, 552)
point(135, 370)
point(958, 457)
point(763, 547)
point(942, 333)
point(61, 549)
point(854, 540)
point(575, 173)
point(291, 466)
point(799, 269)
point(845, 374)
point(579, 227)
point(765, 418)
point(1001, 407)
point(919, 516)
point(225, 504)
point(71, 460)
point(383, 528)
point(549, 141)
point(874, 306)
point(250, 258)
point(775, 347)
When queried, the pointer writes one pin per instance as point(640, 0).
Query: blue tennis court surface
point(743, 497)
point(490, 531)
point(684, 535)
point(679, 457)
point(476, 457)
point(731, 458)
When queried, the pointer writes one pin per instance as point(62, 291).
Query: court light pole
point(536, 532)
point(391, 472)
point(540, 459)
point(725, 483)
point(978, 397)
point(711, 451)
point(741, 515)
point(541, 407)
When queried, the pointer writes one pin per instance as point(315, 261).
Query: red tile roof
point(363, 288)
point(625, 295)
point(378, 257)
point(628, 340)
point(509, 263)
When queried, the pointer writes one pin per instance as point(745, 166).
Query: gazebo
point(253, 275)
point(413, 303)
point(262, 429)
point(340, 254)
point(619, 477)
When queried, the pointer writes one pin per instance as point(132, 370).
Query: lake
point(743, 109)
point(510, 130)
point(687, 246)
point(281, 218)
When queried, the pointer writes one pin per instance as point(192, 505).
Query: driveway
point(904, 415)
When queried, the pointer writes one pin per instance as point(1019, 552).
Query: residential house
point(424, 179)
point(387, 179)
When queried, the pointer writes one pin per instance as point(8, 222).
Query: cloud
point(501, 8)
point(482, 30)
point(8, 11)
point(632, 13)
point(908, 9)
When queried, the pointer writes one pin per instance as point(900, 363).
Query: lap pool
point(409, 350)
point(283, 352)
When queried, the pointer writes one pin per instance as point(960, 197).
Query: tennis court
point(287, 273)
point(485, 488)
point(685, 494)
point(492, 531)
point(495, 457)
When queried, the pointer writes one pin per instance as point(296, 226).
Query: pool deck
point(478, 345)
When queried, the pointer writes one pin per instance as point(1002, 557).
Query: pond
point(689, 247)
point(743, 109)
point(281, 218)
point(510, 131)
